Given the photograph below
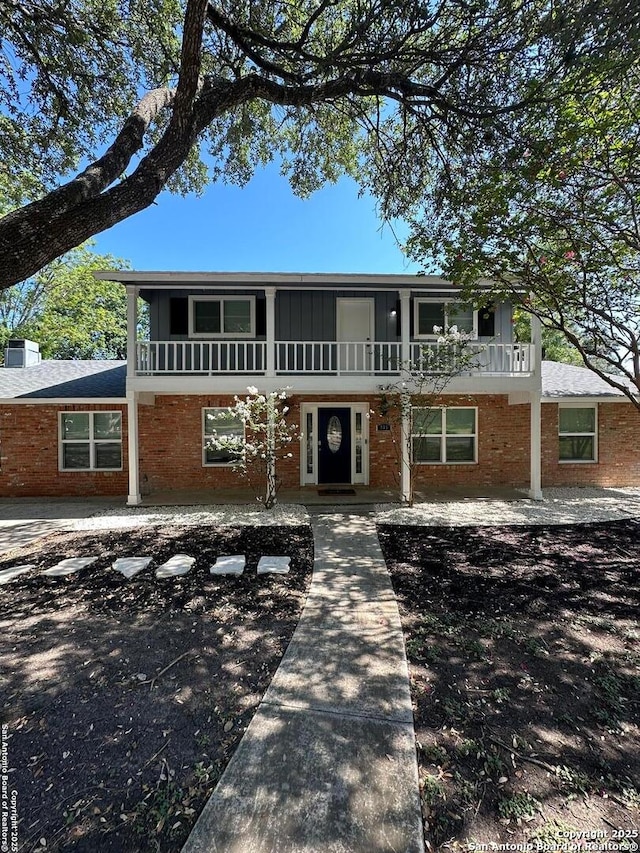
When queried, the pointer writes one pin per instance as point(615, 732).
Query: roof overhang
point(281, 280)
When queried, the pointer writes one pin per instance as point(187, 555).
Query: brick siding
point(170, 441)
point(29, 455)
point(618, 449)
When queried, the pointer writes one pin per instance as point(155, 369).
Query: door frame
point(310, 478)
point(367, 356)
point(368, 300)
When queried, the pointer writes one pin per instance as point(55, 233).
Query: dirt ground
point(525, 675)
point(124, 699)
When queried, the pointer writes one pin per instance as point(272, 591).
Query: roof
point(282, 280)
point(569, 380)
point(106, 379)
point(61, 379)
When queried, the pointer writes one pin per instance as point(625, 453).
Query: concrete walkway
point(23, 520)
point(328, 762)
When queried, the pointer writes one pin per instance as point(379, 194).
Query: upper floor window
point(90, 441)
point(441, 314)
point(444, 435)
point(577, 433)
point(222, 316)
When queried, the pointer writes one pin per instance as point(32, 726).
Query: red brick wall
point(618, 449)
point(170, 441)
point(29, 455)
point(503, 447)
point(171, 448)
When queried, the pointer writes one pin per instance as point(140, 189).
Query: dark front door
point(334, 454)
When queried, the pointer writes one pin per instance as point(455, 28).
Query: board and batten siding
point(301, 315)
point(312, 315)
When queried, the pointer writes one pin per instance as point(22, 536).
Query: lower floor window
point(225, 425)
point(440, 435)
point(90, 441)
point(577, 433)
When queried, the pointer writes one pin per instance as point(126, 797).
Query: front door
point(355, 329)
point(334, 445)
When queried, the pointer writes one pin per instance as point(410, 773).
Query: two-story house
point(502, 417)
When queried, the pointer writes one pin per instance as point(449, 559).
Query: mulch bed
point(125, 699)
point(525, 675)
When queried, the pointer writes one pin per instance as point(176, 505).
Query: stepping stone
point(7, 575)
point(229, 565)
point(274, 565)
point(179, 564)
point(130, 566)
point(69, 566)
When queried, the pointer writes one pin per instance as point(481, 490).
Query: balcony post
point(132, 329)
point(270, 293)
point(536, 347)
point(405, 327)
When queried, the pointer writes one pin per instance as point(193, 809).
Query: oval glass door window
point(334, 433)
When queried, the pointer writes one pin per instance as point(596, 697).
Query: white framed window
point(222, 316)
point(222, 422)
point(577, 433)
point(90, 441)
point(443, 314)
point(444, 435)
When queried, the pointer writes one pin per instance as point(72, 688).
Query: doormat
point(336, 491)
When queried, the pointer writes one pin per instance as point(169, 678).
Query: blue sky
point(261, 227)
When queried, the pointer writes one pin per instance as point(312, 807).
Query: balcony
point(329, 358)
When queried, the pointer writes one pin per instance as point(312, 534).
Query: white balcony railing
point(470, 358)
point(208, 357)
point(338, 358)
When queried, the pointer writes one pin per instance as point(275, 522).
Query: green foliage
point(388, 92)
point(549, 206)
point(554, 344)
point(518, 806)
point(67, 311)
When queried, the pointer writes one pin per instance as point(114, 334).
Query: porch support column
point(270, 293)
point(405, 455)
point(405, 327)
point(132, 328)
point(134, 497)
point(535, 490)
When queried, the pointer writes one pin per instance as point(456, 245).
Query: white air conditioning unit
point(21, 353)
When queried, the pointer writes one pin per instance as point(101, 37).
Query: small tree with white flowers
point(266, 438)
point(423, 380)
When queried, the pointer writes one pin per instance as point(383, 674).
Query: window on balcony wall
point(442, 314)
point(577, 433)
point(90, 441)
point(222, 422)
point(440, 436)
point(222, 316)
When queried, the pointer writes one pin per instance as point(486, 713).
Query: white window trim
point(431, 336)
point(222, 299)
point(443, 437)
point(91, 441)
point(206, 464)
point(577, 405)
